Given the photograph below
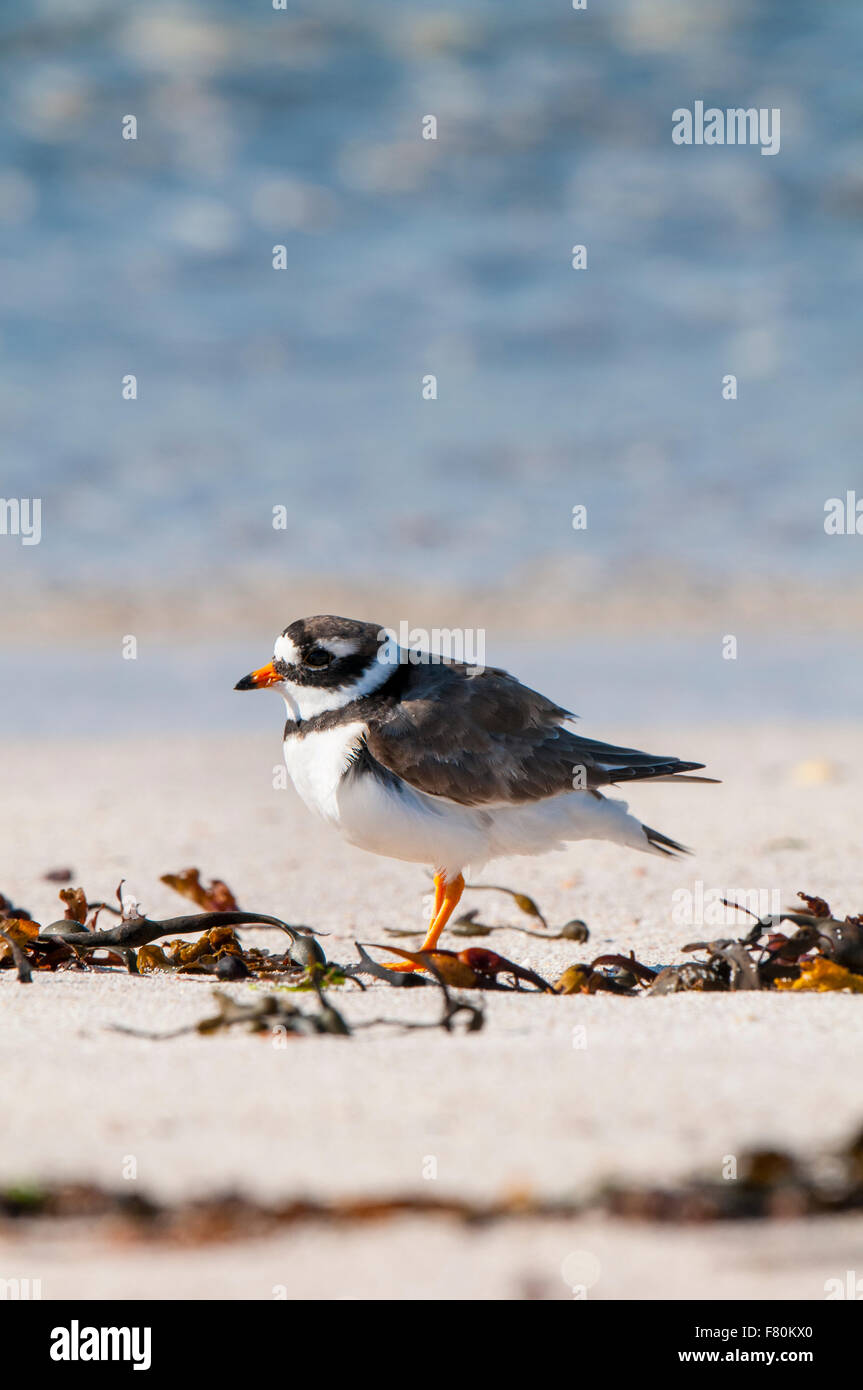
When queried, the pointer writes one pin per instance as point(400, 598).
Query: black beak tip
point(245, 684)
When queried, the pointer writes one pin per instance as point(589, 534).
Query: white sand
point(663, 1086)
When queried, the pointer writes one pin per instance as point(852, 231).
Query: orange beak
point(265, 675)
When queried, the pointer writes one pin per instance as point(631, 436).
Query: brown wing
point(480, 737)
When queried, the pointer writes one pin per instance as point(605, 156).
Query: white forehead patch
point(339, 646)
point(285, 650)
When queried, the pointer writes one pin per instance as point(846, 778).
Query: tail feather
point(662, 844)
point(658, 770)
point(682, 777)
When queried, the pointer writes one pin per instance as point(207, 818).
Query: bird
point(417, 757)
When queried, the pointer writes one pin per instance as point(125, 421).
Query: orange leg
point(439, 890)
point(447, 894)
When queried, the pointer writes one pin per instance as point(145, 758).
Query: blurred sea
point(622, 691)
point(406, 257)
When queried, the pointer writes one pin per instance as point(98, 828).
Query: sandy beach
point(657, 1090)
point(425, 316)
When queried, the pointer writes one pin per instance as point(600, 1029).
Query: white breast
point(317, 763)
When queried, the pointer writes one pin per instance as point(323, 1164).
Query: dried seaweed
point(13, 948)
point(58, 876)
point(822, 974)
point(732, 962)
point(468, 925)
point(73, 941)
point(522, 901)
point(76, 904)
point(216, 952)
point(453, 1008)
point(627, 968)
point(272, 1014)
point(821, 953)
point(214, 897)
point(679, 979)
point(8, 910)
point(474, 968)
point(137, 930)
point(766, 957)
point(771, 1184)
point(368, 966)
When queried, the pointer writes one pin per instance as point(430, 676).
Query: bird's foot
point(404, 967)
point(447, 894)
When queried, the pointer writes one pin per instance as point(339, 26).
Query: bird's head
point(324, 663)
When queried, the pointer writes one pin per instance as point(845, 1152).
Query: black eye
point(318, 657)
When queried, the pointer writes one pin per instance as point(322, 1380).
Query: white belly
point(375, 816)
point(411, 825)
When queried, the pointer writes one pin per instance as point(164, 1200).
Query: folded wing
point(481, 737)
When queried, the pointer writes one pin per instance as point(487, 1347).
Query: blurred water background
point(301, 387)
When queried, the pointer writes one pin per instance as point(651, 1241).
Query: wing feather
point(479, 737)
